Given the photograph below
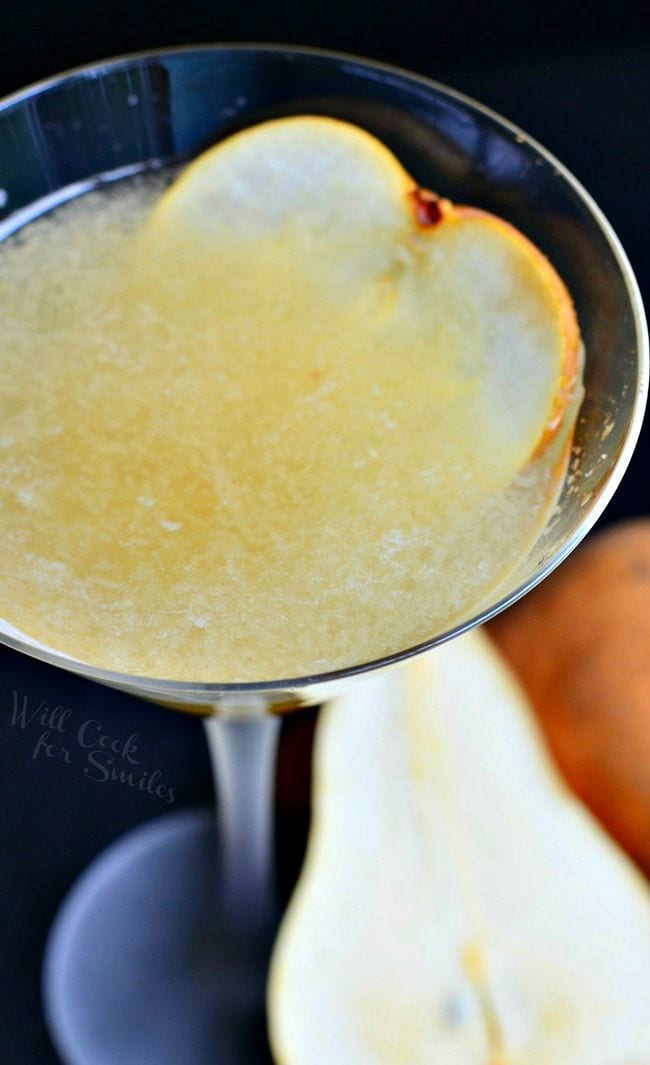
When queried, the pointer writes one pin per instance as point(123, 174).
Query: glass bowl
point(99, 123)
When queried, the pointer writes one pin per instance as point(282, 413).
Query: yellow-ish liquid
point(186, 495)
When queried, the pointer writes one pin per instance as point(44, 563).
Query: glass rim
point(168, 688)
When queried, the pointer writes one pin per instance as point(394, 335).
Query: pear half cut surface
point(457, 907)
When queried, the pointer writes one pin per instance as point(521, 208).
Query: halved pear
point(317, 217)
point(457, 907)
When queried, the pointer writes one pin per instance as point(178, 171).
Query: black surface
point(580, 84)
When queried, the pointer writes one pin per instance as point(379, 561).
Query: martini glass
point(159, 951)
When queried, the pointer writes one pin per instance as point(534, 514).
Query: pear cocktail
point(286, 416)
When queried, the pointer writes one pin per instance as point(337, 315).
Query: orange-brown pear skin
point(580, 643)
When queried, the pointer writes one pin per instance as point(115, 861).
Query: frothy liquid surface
point(180, 498)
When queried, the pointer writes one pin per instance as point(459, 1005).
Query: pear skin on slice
point(322, 217)
point(457, 906)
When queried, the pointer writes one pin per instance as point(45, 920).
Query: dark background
point(575, 77)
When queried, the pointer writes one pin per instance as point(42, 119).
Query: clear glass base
point(144, 963)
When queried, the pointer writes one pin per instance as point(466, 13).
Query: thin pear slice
point(457, 907)
point(321, 217)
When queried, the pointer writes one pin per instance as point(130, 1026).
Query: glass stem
point(243, 751)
